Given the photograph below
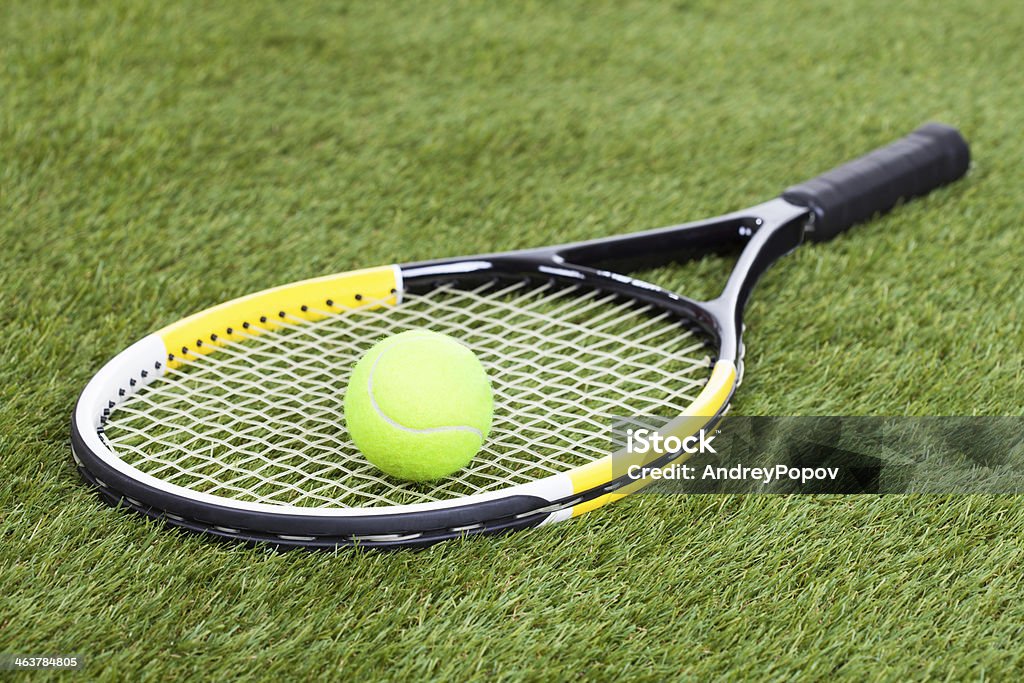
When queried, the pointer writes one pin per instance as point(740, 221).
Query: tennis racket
point(229, 422)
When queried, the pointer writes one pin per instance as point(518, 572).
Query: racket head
point(229, 422)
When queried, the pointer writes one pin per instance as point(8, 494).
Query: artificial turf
point(157, 158)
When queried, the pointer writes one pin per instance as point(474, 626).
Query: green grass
point(159, 158)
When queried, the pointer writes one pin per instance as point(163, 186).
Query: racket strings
point(261, 420)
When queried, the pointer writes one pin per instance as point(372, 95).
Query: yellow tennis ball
point(419, 405)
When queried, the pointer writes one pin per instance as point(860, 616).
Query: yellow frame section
point(708, 404)
point(367, 288)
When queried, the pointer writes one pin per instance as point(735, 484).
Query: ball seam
point(394, 423)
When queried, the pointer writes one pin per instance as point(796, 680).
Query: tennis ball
point(419, 405)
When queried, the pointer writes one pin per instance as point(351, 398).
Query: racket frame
point(818, 209)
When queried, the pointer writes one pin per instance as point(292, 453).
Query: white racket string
point(261, 420)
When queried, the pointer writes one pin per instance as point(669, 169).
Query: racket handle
point(931, 156)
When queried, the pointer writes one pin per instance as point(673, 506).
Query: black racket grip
point(930, 157)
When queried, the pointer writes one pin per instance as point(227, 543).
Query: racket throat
point(778, 229)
